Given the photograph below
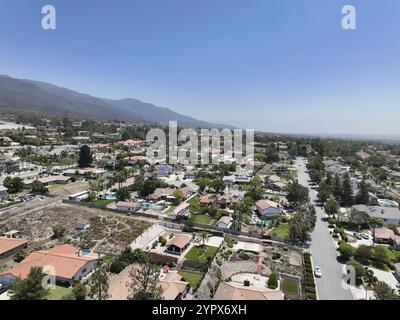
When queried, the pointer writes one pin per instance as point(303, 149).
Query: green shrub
point(346, 250)
point(276, 256)
point(311, 296)
point(310, 290)
point(117, 266)
point(273, 280)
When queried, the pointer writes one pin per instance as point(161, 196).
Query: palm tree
point(204, 236)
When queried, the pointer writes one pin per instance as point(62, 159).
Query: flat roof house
point(78, 197)
point(68, 265)
point(128, 206)
point(10, 246)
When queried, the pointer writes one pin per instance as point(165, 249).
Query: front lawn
point(202, 218)
point(58, 292)
point(289, 286)
point(194, 278)
point(281, 231)
point(201, 253)
point(103, 202)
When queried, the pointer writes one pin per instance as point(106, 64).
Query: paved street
point(323, 251)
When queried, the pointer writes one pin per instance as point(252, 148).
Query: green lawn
point(202, 218)
point(200, 253)
point(58, 293)
point(194, 200)
point(289, 286)
point(393, 255)
point(103, 202)
point(281, 231)
point(194, 278)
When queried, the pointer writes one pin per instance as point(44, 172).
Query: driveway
point(323, 250)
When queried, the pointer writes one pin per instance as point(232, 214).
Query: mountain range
point(21, 95)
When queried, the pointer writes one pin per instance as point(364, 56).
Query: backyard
point(201, 253)
point(194, 278)
point(58, 293)
point(280, 231)
point(202, 218)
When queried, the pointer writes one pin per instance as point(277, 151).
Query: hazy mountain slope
point(45, 98)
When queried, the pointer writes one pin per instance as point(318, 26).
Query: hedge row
point(192, 265)
point(309, 277)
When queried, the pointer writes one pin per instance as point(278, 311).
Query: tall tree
point(204, 237)
point(30, 288)
point(297, 194)
point(336, 187)
point(38, 187)
point(144, 283)
point(99, 284)
point(331, 207)
point(383, 291)
point(346, 198)
point(363, 193)
point(324, 192)
point(85, 157)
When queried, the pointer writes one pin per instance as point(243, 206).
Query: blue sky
point(276, 65)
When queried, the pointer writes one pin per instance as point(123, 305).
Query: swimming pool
point(85, 252)
point(153, 206)
point(110, 196)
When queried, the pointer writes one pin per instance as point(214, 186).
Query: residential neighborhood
point(99, 204)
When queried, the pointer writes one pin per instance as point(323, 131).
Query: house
point(234, 291)
point(162, 194)
point(173, 290)
point(208, 199)
point(83, 225)
point(127, 184)
point(268, 207)
point(362, 155)
point(65, 261)
point(49, 180)
point(10, 246)
point(387, 236)
point(3, 193)
point(182, 210)
point(163, 170)
point(187, 192)
point(12, 234)
point(128, 206)
point(78, 197)
point(132, 160)
point(178, 244)
point(130, 143)
point(225, 222)
point(388, 215)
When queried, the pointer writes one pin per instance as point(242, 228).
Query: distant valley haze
point(273, 66)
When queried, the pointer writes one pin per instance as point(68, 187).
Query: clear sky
point(276, 65)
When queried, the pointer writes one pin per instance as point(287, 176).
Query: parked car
point(365, 236)
point(317, 272)
point(357, 235)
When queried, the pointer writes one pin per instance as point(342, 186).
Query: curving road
point(323, 251)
